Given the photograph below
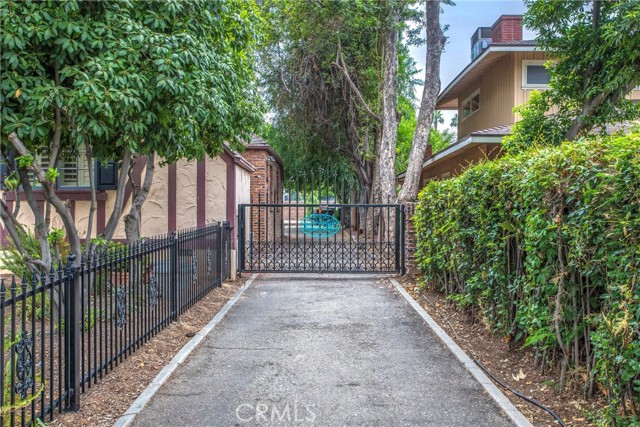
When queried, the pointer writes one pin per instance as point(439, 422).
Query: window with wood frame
point(471, 104)
point(535, 74)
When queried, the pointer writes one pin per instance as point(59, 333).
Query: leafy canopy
point(316, 111)
point(595, 48)
point(175, 78)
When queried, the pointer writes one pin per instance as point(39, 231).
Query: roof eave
point(474, 63)
point(469, 141)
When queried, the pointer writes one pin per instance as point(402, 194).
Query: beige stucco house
point(183, 194)
point(503, 72)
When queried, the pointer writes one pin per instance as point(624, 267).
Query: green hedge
point(545, 247)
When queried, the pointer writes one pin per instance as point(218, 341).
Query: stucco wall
point(243, 185)
point(216, 190)
point(81, 215)
point(186, 197)
point(155, 210)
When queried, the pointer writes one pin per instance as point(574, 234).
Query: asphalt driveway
point(326, 351)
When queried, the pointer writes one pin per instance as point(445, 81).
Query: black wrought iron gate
point(315, 231)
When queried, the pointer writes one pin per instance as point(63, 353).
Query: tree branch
point(110, 228)
point(345, 71)
point(581, 124)
point(50, 196)
point(132, 219)
point(16, 231)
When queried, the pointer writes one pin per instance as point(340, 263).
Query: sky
point(463, 19)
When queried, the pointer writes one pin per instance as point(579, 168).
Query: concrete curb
point(165, 373)
point(501, 400)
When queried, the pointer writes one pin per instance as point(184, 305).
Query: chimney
point(507, 28)
point(428, 152)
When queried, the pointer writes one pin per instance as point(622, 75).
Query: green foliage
point(536, 128)
point(24, 162)
point(175, 78)
point(52, 174)
point(513, 236)
point(595, 64)
point(406, 127)
point(316, 113)
point(11, 259)
point(56, 235)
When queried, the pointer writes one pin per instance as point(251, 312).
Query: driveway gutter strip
point(501, 400)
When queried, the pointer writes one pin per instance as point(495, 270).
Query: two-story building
point(503, 72)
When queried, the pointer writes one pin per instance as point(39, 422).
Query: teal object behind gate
point(319, 225)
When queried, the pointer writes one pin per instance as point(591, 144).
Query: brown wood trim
point(79, 195)
point(171, 198)
point(231, 194)
point(201, 192)
point(101, 215)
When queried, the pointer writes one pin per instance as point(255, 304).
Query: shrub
point(544, 246)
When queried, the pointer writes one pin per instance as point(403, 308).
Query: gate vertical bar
point(173, 260)
point(240, 246)
point(403, 267)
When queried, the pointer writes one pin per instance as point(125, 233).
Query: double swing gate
point(320, 227)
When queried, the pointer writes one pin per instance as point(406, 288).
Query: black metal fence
point(64, 330)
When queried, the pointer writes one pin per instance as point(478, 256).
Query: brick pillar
point(410, 241)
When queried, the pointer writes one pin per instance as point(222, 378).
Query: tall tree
point(437, 119)
point(126, 80)
point(323, 83)
point(595, 46)
point(384, 173)
point(435, 45)
point(335, 71)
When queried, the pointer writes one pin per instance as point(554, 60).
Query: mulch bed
point(512, 366)
point(107, 401)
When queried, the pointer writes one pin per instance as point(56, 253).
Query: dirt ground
point(104, 403)
point(512, 366)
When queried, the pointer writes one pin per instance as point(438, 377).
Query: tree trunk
point(132, 219)
point(39, 222)
point(435, 44)
point(94, 203)
point(384, 174)
point(51, 197)
point(580, 124)
point(114, 218)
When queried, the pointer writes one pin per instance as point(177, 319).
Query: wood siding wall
point(496, 99)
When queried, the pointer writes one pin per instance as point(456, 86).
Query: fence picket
point(65, 329)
